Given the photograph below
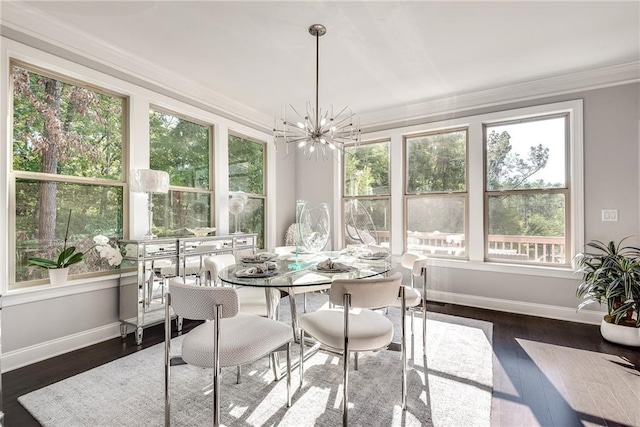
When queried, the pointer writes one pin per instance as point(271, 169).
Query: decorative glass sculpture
point(237, 203)
point(313, 225)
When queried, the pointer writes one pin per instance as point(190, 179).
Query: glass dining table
point(301, 270)
point(289, 271)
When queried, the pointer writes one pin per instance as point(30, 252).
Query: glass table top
point(294, 270)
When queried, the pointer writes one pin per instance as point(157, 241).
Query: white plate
point(373, 257)
point(264, 257)
point(244, 275)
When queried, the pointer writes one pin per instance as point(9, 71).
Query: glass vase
point(314, 225)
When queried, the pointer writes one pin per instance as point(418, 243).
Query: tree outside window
point(527, 192)
point(366, 209)
point(181, 148)
point(435, 193)
point(247, 174)
point(67, 155)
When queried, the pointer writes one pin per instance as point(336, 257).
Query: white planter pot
point(624, 335)
point(58, 276)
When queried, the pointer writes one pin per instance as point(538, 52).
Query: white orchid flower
point(105, 250)
point(101, 240)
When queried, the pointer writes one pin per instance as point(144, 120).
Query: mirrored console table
point(147, 266)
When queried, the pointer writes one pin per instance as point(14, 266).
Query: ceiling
point(258, 55)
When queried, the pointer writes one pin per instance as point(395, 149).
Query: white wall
point(314, 183)
point(286, 197)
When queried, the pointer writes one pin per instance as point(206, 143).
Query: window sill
point(72, 287)
point(496, 267)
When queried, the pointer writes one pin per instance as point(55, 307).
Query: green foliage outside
point(246, 165)
point(176, 211)
point(366, 173)
point(436, 170)
point(437, 163)
point(182, 149)
point(73, 132)
point(367, 169)
point(509, 171)
point(529, 213)
point(246, 173)
point(81, 127)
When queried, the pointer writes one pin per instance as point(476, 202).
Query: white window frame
point(265, 180)
point(344, 198)
point(435, 194)
point(15, 175)
point(210, 190)
point(140, 100)
point(564, 191)
point(475, 185)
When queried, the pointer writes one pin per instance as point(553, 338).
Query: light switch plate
point(609, 214)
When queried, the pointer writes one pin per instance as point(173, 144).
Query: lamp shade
point(148, 181)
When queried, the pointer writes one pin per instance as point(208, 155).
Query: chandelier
point(317, 132)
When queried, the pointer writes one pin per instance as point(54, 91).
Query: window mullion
point(475, 189)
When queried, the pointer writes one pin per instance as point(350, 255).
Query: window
point(526, 197)
point(181, 148)
point(247, 174)
point(366, 209)
point(503, 190)
point(435, 193)
point(68, 142)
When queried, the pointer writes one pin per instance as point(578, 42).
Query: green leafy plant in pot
point(68, 256)
point(612, 276)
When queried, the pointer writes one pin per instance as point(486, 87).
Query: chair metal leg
point(424, 311)
point(301, 357)
point(167, 362)
point(345, 362)
point(216, 365)
point(289, 374)
point(412, 319)
point(345, 389)
point(275, 365)
point(272, 301)
point(238, 374)
point(404, 349)
point(304, 302)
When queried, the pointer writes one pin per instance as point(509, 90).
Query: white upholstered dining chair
point(416, 298)
point(226, 338)
point(252, 299)
point(347, 330)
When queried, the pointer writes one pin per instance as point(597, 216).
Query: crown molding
point(18, 18)
point(558, 85)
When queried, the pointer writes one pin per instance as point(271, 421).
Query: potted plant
point(58, 268)
point(612, 276)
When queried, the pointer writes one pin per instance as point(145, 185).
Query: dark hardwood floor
point(546, 372)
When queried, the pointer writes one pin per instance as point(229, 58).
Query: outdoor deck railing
point(503, 247)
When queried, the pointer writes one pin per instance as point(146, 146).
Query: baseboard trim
point(518, 307)
point(36, 353)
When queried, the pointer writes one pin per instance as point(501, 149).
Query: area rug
point(129, 391)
